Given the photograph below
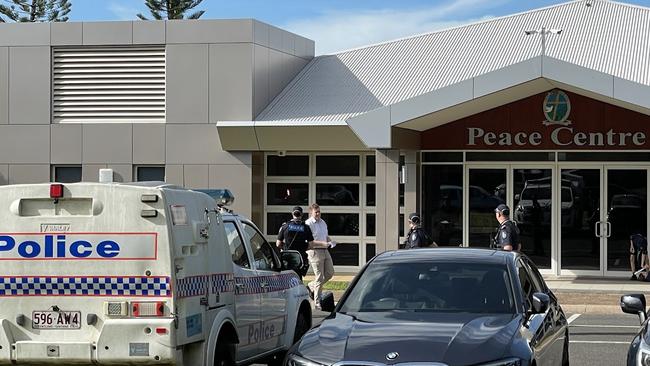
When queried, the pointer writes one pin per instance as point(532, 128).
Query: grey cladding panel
point(196, 176)
point(4, 174)
point(25, 34)
point(261, 79)
point(148, 32)
point(66, 34)
point(210, 31)
point(107, 33)
point(107, 143)
point(231, 83)
point(4, 85)
point(29, 85)
point(187, 83)
point(24, 144)
point(261, 33)
point(197, 144)
point(149, 143)
point(34, 173)
point(66, 143)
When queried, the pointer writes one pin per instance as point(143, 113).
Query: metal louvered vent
point(108, 84)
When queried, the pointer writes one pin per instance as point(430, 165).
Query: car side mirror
point(291, 260)
point(327, 302)
point(634, 304)
point(541, 302)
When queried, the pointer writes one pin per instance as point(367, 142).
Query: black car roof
point(473, 255)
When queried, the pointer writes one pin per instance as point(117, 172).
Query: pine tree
point(172, 9)
point(35, 10)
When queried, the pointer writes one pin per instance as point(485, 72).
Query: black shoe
point(633, 278)
point(311, 293)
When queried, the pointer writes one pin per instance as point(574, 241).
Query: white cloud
point(335, 31)
point(123, 12)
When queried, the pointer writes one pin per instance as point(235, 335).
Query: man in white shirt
point(319, 259)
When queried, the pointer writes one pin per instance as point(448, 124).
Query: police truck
point(141, 273)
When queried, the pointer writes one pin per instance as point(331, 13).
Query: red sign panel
point(554, 120)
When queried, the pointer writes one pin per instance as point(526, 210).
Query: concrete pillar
point(387, 193)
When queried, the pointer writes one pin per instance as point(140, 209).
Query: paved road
point(601, 339)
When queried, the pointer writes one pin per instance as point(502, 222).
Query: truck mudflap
point(121, 341)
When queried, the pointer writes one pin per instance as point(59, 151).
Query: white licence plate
point(56, 319)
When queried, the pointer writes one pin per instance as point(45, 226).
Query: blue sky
point(335, 24)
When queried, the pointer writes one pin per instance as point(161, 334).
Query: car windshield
point(432, 286)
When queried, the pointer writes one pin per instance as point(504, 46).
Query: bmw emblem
point(392, 356)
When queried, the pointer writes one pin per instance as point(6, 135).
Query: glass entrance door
point(626, 215)
point(581, 236)
point(487, 188)
point(601, 207)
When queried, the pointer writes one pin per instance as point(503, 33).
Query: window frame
point(53, 177)
point(137, 167)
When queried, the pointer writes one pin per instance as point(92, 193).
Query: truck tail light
point(56, 191)
point(153, 308)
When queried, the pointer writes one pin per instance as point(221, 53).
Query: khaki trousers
point(323, 267)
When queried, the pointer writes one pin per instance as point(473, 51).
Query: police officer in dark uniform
point(296, 235)
point(638, 254)
point(507, 237)
point(417, 236)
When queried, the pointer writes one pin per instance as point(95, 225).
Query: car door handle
point(240, 285)
point(264, 284)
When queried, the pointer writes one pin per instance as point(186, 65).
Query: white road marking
point(606, 326)
point(572, 318)
point(600, 342)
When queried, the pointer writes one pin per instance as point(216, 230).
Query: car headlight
point(295, 360)
point(643, 355)
point(504, 362)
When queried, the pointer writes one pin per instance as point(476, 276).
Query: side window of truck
point(263, 254)
point(236, 244)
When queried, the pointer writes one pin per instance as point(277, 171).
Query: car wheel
point(302, 326)
point(565, 352)
point(223, 355)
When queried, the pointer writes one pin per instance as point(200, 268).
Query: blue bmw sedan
point(441, 306)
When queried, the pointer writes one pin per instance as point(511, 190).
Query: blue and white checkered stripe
point(85, 286)
point(199, 285)
point(253, 285)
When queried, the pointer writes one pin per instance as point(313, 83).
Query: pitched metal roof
point(601, 35)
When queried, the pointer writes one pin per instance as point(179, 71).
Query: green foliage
point(34, 10)
point(172, 9)
point(333, 285)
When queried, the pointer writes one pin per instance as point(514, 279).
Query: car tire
point(565, 351)
point(302, 326)
point(223, 354)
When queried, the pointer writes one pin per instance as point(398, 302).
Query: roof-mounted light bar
point(223, 197)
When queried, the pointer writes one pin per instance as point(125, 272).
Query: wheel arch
point(224, 322)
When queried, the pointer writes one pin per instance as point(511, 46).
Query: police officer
point(638, 254)
point(296, 235)
point(417, 236)
point(507, 237)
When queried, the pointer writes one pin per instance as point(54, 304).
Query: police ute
point(141, 273)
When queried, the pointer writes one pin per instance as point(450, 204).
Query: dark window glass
point(487, 190)
point(533, 212)
point(448, 287)
point(287, 166)
point(435, 157)
point(287, 193)
point(604, 156)
point(337, 194)
point(67, 174)
point(345, 254)
point(443, 203)
point(401, 195)
point(370, 195)
point(510, 156)
point(262, 250)
point(370, 224)
point(342, 223)
point(150, 173)
point(337, 165)
point(274, 221)
point(370, 165)
point(371, 251)
point(401, 225)
point(237, 249)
